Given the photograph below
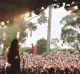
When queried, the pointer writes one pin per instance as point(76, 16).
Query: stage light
point(2, 23)
point(71, 8)
point(26, 15)
point(42, 8)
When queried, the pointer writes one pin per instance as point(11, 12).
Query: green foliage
point(11, 31)
point(42, 18)
point(27, 49)
point(17, 25)
point(71, 20)
point(31, 26)
point(78, 37)
point(70, 33)
point(54, 43)
point(41, 46)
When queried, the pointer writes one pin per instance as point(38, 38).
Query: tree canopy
point(70, 31)
point(41, 45)
point(11, 30)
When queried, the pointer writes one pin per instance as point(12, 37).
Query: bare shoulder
point(7, 49)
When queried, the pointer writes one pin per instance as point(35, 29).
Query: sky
point(41, 32)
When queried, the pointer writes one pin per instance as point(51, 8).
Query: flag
point(30, 33)
point(32, 48)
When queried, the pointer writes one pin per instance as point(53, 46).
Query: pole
point(49, 29)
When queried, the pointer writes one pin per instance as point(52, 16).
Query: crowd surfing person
point(13, 58)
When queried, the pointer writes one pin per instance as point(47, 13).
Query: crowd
point(52, 63)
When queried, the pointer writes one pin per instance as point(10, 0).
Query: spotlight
point(71, 8)
point(42, 8)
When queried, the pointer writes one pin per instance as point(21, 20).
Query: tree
point(43, 19)
point(31, 26)
point(70, 31)
point(18, 25)
point(54, 43)
point(41, 45)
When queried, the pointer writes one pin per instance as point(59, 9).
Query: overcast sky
point(41, 32)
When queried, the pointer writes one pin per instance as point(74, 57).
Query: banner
point(34, 48)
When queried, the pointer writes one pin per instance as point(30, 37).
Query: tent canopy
point(11, 8)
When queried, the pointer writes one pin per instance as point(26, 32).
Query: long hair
point(13, 50)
